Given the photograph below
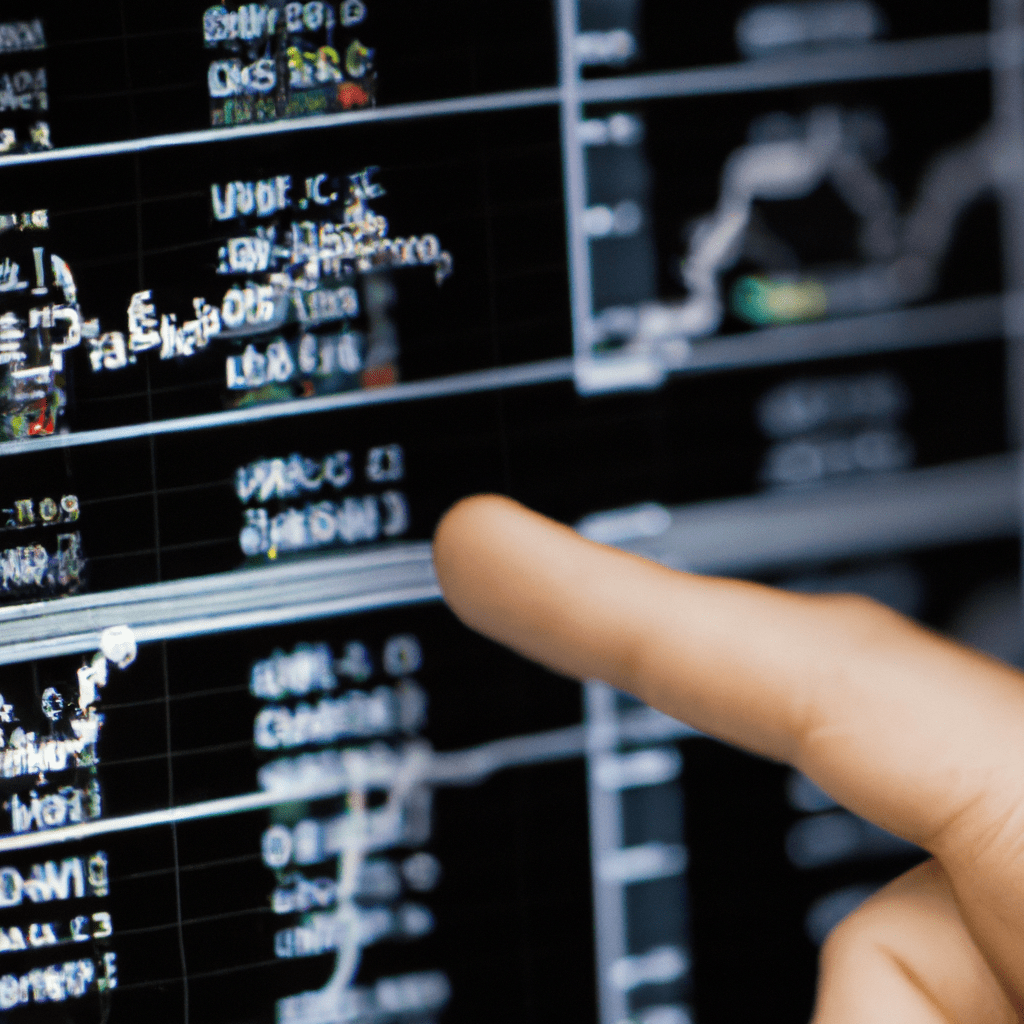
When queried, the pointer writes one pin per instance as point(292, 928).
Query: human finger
point(871, 706)
point(906, 955)
point(914, 732)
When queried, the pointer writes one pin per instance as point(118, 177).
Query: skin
point(912, 731)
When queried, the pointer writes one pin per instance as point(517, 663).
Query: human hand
point(914, 732)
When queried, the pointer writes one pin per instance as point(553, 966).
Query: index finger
point(920, 735)
point(884, 714)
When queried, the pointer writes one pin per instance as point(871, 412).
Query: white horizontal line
point(277, 575)
point(897, 330)
point(468, 767)
point(399, 112)
point(338, 584)
point(942, 323)
point(287, 613)
point(642, 863)
point(148, 819)
point(898, 59)
point(474, 381)
point(956, 502)
point(282, 614)
point(459, 767)
point(876, 514)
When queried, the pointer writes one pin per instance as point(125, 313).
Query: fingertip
point(462, 524)
point(464, 518)
point(464, 536)
point(535, 585)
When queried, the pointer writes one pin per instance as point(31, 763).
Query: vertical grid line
point(174, 830)
point(140, 284)
point(574, 179)
point(605, 814)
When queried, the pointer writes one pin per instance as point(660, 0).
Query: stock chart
point(736, 290)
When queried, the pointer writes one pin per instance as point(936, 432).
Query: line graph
point(467, 767)
point(741, 265)
point(384, 794)
point(902, 252)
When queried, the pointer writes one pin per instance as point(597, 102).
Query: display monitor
point(732, 286)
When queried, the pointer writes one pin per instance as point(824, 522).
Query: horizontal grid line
point(517, 100)
point(142, 929)
point(891, 59)
point(117, 762)
point(485, 760)
point(111, 706)
point(894, 59)
point(200, 866)
point(192, 975)
point(951, 321)
point(245, 858)
point(471, 382)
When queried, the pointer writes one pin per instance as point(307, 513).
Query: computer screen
point(733, 286)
